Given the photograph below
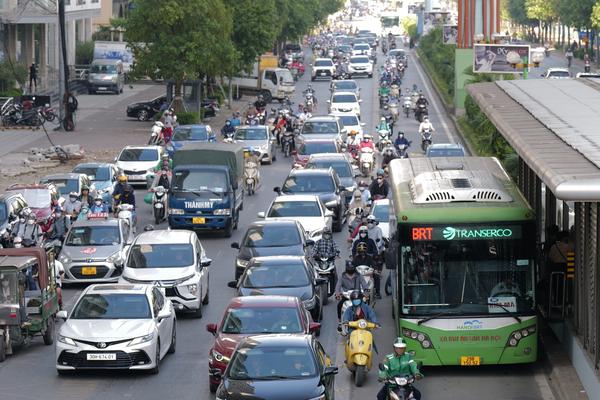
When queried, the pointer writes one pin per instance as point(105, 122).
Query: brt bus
point(465, 245)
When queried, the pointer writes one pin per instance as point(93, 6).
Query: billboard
point(114, 51)
point(499, 58)
point(433, 19)
point(449, 34)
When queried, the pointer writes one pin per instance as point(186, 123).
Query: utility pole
point(65, 109)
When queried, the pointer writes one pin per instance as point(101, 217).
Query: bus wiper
point(512, 314)
point(435, 316)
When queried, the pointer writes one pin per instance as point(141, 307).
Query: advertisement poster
point(449, 32)
point(499, 58)
point(114, 51)
point(433, 19)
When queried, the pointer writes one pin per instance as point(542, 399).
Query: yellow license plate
point(88, 271)
point(469, 361)
point(198, 220)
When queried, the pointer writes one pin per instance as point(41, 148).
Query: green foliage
point(188, 118)
point(440, 56)
point(409, 24)
point(10, 75)
point(297, 18)
point(595, 17)
point(102, 34)
point(84, 53)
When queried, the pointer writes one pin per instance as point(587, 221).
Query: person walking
point(32, 76)
point(569, 57)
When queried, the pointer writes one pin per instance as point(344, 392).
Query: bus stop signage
point(471, 232)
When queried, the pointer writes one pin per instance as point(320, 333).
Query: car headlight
point(176, 211)
point(219, 357)
point(331, 203)
point(242, 263)
point(222, 211)
point(141, 339)
point(66, 340)
point(310, 303)
point(114, 258)
point(64, 258)
point(193, 289)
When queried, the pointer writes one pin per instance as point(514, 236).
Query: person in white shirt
point(426, 125)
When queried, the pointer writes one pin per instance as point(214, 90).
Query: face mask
point(379, 180)
point(362, 189)
point(72, 199)
point(363, 235)
point(357, 198)
point(370, 225)
point(356, 302)
point(98, 203)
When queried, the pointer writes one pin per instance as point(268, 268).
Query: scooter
point(403, 151)
point(155, 135)
point(126, 212)
point(367, 273)
point(159, 204)
point(309, 102)
point(395, 91)
point(393, 104)
point(326, 270)
point(287, 140)
point(399, 387)
point(421, 112)
point(251, 177)
point(359, 349)
point(407, 105)
point(366, 160)
point(425, 140)
point(384, 138)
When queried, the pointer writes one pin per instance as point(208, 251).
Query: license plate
point(102, 357)
point(198, 220)
point(101, 88)
point(469, 361)
point(134, 177)
point(88, 271)
point(323, 73)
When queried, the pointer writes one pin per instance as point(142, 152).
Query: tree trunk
point(177, 103)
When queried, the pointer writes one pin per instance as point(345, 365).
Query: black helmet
point(350, 266)
point(355, 295)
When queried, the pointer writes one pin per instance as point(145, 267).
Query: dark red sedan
point(313, 146)
point(254, 315)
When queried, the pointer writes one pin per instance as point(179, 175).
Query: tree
point(179, 39)
point(409, 24)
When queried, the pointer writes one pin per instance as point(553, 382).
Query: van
point(106, 76)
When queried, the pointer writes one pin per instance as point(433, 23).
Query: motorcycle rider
point(312, 91)
point(367, 141)
point(383, 125)
point(379, 188)
point(399, 363)
point(120, 186)
point(359, 310)
point(349, 280)
point(98, 206)
point(384, 90)
point(72, 207)
point(401, 140)
point(251, 161)
point(326, 246)
point(228, 129)
point(236, 119)
point(422, 100)
point(30, 233)
point(85, 197)
point(60, 225)
point(426, 125)
point(163, 176)
point(363, 241)
point(260, 104)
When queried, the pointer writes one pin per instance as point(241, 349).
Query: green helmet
point(84, 187)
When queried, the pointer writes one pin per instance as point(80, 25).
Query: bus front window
point(467, 277)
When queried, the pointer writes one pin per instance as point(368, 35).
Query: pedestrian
point(569, 56)
point(32, 76)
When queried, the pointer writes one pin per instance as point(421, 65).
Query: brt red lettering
point(421, 233)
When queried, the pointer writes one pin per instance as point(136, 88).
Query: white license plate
point(323, 73)
point(102, 88)
point(134, 177)
point(101, 356)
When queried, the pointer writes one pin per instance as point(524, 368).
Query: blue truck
point(207, 192)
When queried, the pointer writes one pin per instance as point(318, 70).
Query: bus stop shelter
point(554, 127)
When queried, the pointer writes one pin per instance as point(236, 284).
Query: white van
point(106, 76)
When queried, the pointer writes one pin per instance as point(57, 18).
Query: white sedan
point(308, 210)
point(351, 123)
point(116, 326)
point(344, 103)
point(360, 65)
point(136, 161)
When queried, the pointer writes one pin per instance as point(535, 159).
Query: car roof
point(345, 80)
point(64, 175)
point(97, 222)
point(251, 126)
point(281, 339)
point(122, 288)
point(310, 171)
point(193, 125)
point(343, 92)
point(166, 236)
point(278, 260)
point(321, 140)
point(553, 69)
point(264, 301)
point(295, 197)
point(323, 59)
point(328, 157)
point(93, 164)
point(142, 147)
point(446, 146)
point(270, 222)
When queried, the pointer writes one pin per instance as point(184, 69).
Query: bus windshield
point(465, 271)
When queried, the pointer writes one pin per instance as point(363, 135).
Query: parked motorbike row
point(15, 112)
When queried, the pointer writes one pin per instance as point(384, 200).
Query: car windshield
point(359, 60)
point(103, 69)
point(308, 183)
point(64, 186)
point(256, 320)
point(139, 155)
point(348, 85)
point(208, 183)
point(308, 148)
point(349, 120)
point(252, 134)
point(445, 152)
point(559, 74)
point(342, 169)
point(268, 363)
point(272, 236)
point(344, 48)
point(320, 128)
point(344, 98)
point(170, 255)
point(112, 306)
point(182, 133)
point(276, 276)
point(36, 198)
point(101, 235)
point(323, 63)
point(282, 209)
point(381, 212)
point(94, 173)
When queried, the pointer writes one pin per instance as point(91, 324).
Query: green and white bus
point(464, 239)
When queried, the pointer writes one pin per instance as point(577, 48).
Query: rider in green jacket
point(399, 364)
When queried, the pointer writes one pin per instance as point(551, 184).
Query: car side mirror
point(232, 284)
point(277, 189)
point(205, 261)
point(328, 101)
point(261, 214)
point(360, 101)
point(62, 314)
point(363, 124)
point(235, 245)
point(212, 328)
point(163, 314)
point(344, 131)
point(330, 371)
point(314, 327)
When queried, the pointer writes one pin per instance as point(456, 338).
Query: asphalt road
point(30, 373)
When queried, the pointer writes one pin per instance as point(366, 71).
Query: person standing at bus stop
point(32, 76)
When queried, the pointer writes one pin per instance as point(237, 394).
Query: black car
point(270, 238)
point(11, 205)
point(322, 182)
point(275, 367)
point(285, 276)
point(342, 167)
point(145, 110)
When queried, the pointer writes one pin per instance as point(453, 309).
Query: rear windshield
point(559, 74)
point(309, 148)
point(103, 69)
point(252, 134)
point(139, 155)
point(190, 133)
point(323, 63)
point(320, 127)
point(359, 60)
point(344, 98)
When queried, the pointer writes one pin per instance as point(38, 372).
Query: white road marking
point(544, 386)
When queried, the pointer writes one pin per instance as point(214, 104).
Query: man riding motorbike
point(399, 363)
point(228, 129)
point(367, 141)
point(363, 240)
point(349, 280)
point(60, 225)
point(326, 246)
point(121, 184)
point(260, 104)
point(359, 309)
point(85, 197)
point(426, 125)
point(379, 188)
point(401, 140)
point(72, 206)
point(383, 125)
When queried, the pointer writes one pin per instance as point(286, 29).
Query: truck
point(267, 79)
point(206, 191)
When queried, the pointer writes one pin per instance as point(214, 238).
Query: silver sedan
point(259, 139)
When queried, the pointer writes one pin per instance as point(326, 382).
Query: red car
point(254, 315)
point(313, 146)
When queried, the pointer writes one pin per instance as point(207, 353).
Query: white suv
point(360, 65)
point(172, 260)
point(322, 68)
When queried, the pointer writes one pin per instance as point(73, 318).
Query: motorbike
point(395, 91)
point(367, 273)
point(159, 204)
point(393, 105)
point(425, 139)
point(252, 119)
point(261, 114)
point(383, 99)
point(388, 154)
point(399, 387)
point(126, 212)
point(14, 114)
point(309, 102)
point(359, 349)
point(407, 105)
point(403, 151)
point(366, 159)
point(326, 270)
point(421, 112)
point(155, 136)
point(251, 177)
point(287, 140)
point(384, 138)
point(586, 67)
point(47, 112)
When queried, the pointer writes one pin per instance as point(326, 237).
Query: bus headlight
point(516, 336)
point(421, 337)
